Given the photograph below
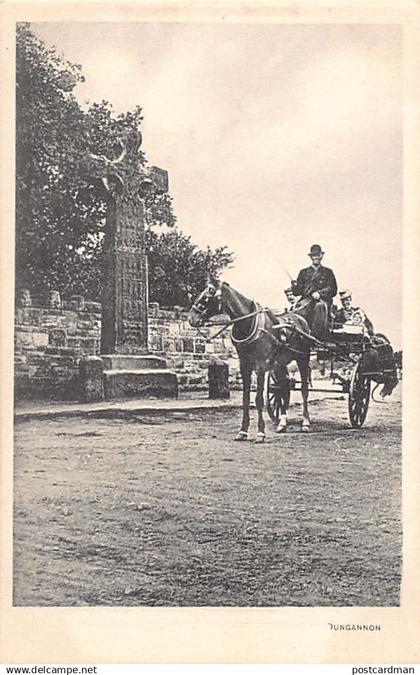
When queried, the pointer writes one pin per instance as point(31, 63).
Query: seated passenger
point(354, 316)
point(290, 299)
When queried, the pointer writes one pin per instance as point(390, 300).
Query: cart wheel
point(273, 397)
point(359, 395)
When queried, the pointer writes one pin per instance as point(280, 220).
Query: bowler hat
point(316, 250)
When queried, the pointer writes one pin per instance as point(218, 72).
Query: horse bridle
point(200, 307)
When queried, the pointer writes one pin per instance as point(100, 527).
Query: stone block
point(179, 345)
point(36, 358)
point(57, 337)
point(52, 350)
point(190, 366)
point(180, 312)
point(61, 361)
point(91, 379)
point(74, 342)
point(90, 345)
point(20, 328)
point(218, 378)
point(94, 307)
point(132, 361)
point(196, 383)
point(188, 344)
point(176, 362)
point(80, 302)
point(160, 383)
point(219, 346)
point(182, 380)
point(199, 346)
point(153, 309)
point(23, 298)
point(156, 342)
point(173, 328)
point(84, 324)
point(168, 344)
point(69, 305)
point(54, 312)
point(30, 315)
point(54, 300)
point(66, 351)
point(33, 339)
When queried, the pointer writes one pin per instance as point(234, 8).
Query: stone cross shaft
point(125, 271)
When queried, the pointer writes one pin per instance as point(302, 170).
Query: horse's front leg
point(246, 372)
point(259, 403)
point(284, 399)
point(304, 369)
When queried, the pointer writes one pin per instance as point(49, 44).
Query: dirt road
point(167, 509)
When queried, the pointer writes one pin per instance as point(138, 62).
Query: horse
point(264, 343)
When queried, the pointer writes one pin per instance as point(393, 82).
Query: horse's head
point(208, 303)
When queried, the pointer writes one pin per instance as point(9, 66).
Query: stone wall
point(186, 351)
point(51, 337)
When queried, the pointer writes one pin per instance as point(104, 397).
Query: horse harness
point(258, 329)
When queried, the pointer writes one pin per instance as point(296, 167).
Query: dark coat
point(321, 279)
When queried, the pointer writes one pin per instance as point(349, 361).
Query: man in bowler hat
point(317, 287)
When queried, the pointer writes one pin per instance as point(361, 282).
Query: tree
point(180, 268)
point(59, 212)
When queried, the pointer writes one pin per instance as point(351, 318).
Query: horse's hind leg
point(246, 372)
point(259, 403)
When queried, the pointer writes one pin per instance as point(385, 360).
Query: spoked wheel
point(359, 395)
point(273, 396)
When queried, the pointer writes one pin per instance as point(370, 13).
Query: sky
point(275, 137)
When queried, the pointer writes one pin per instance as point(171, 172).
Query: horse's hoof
point(242, 436)
point(281, 429)
point(260, 438)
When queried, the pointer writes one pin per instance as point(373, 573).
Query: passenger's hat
point(345, 294)
point(289, 289)
point(316, 250)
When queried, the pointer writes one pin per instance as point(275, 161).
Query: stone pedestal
point(218, 374)
point(91, 379)
point(141, 376)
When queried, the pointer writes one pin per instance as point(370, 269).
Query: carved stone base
point(142, 376)
point(132, 362)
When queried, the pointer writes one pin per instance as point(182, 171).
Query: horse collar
point(254, 334)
